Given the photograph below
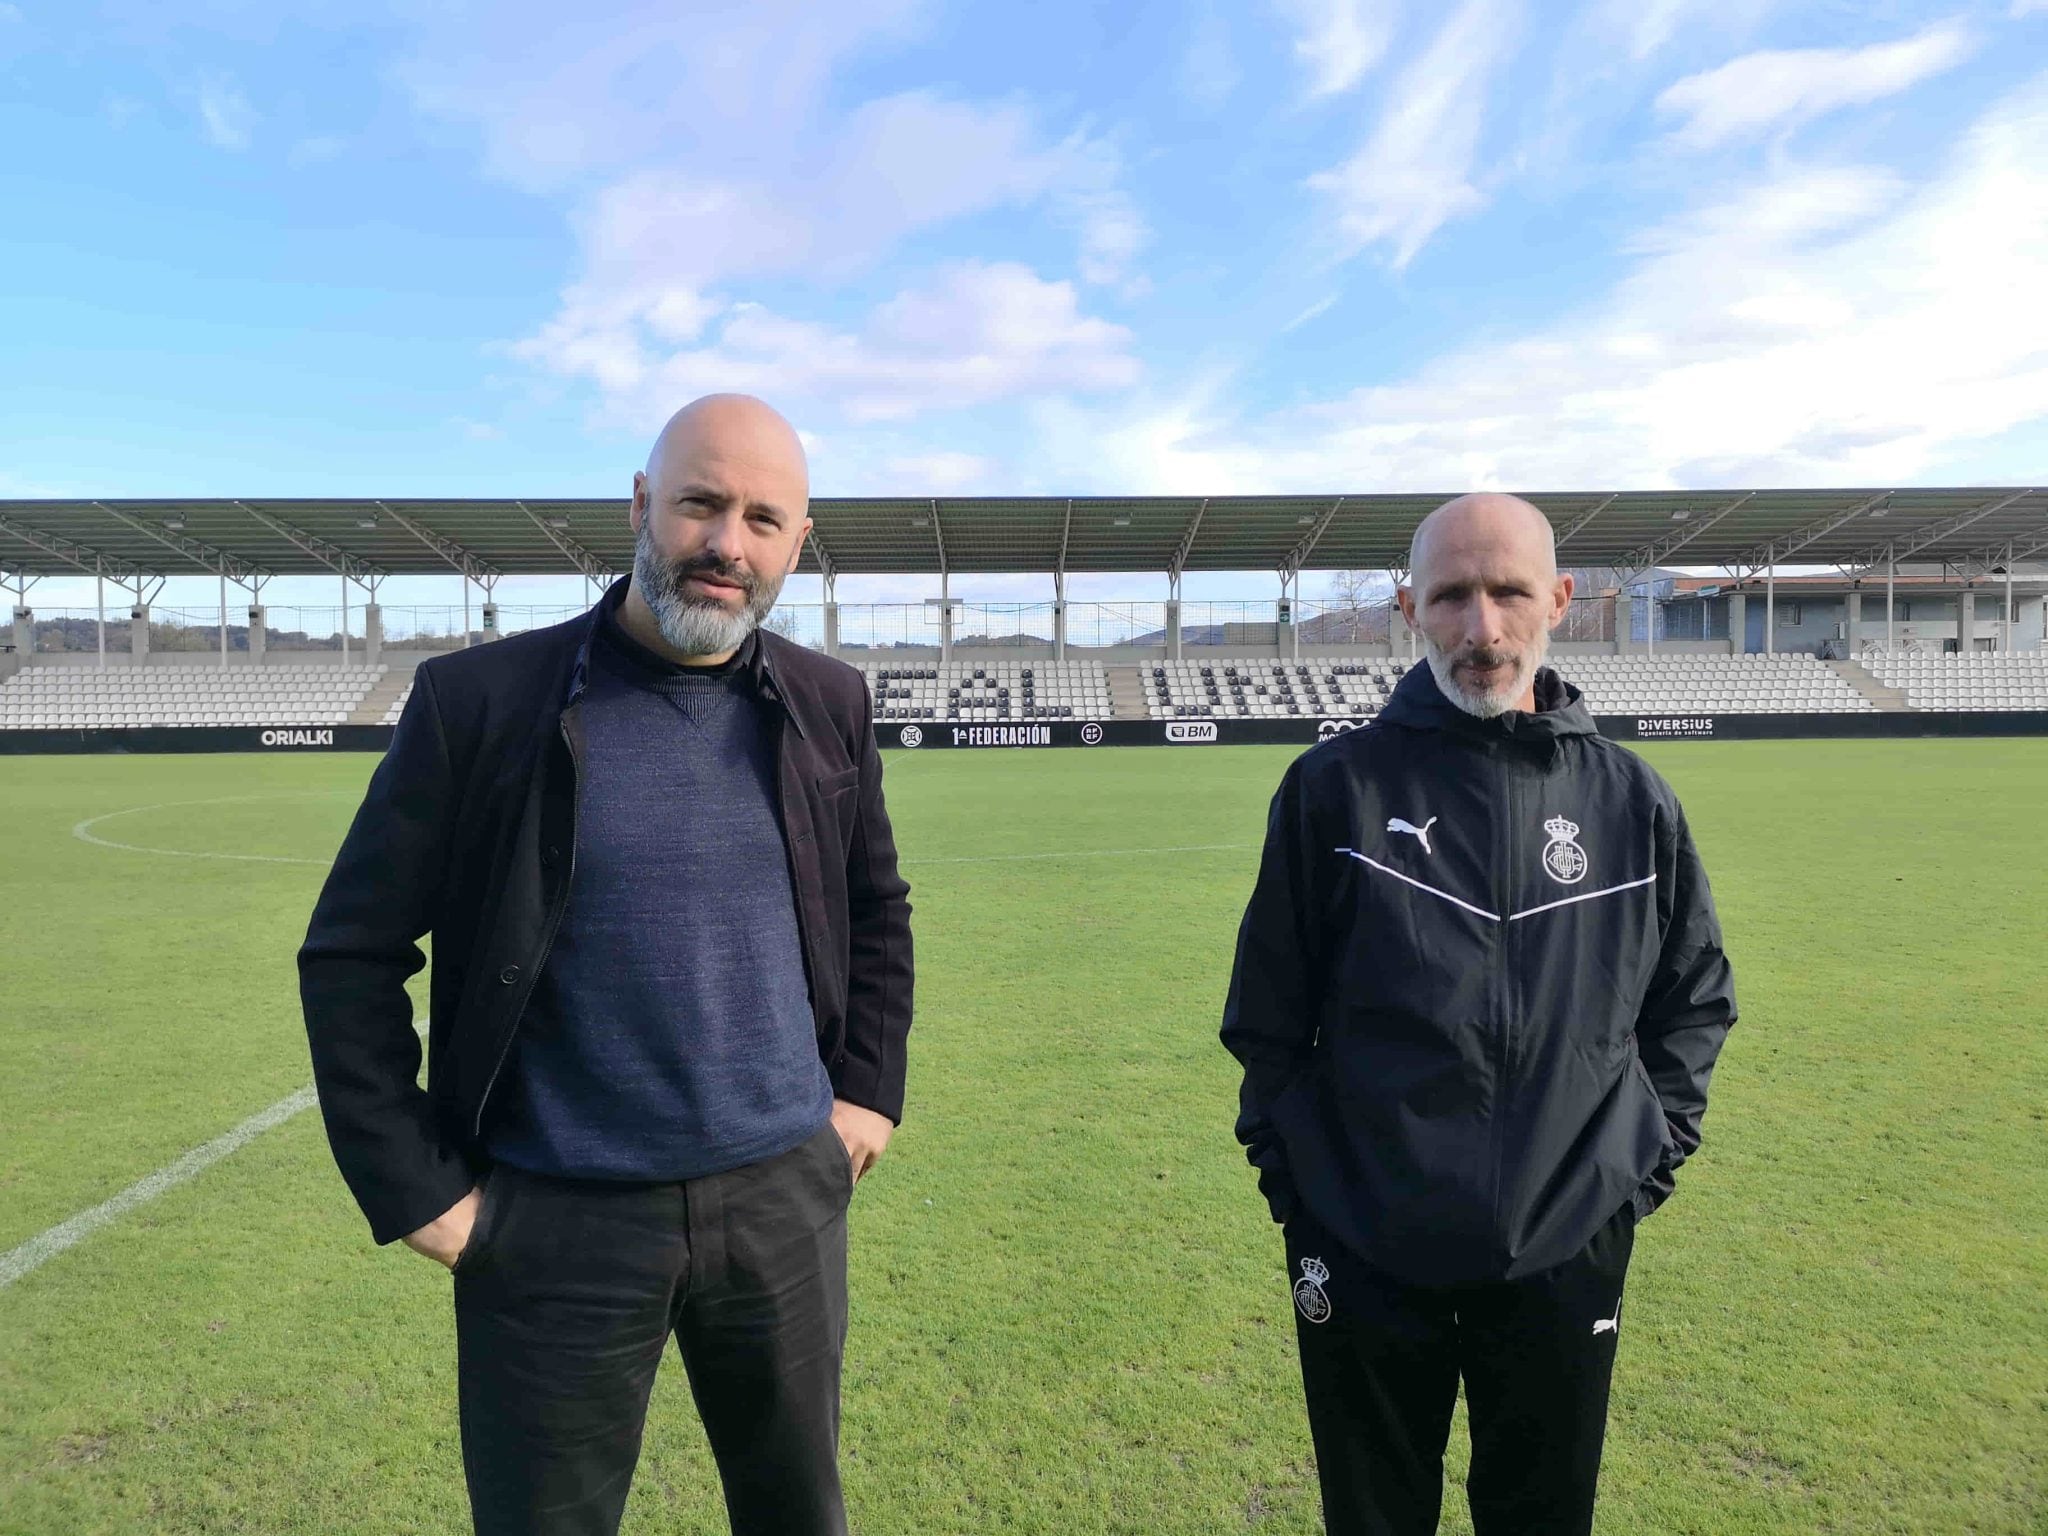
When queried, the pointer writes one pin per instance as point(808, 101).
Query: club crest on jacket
point(1310, 1298)
point(1563, 860)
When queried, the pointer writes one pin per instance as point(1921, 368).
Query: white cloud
point(1320, 307)
point(940, 473)
point(1759, 92)
point(225, 116)
point(1826, 326)
point(1414, 174)
point(2028, 8)
point(981, 333)
point(707, 158)
point(1644, 27)
point(1337, 42)
point(563, 94)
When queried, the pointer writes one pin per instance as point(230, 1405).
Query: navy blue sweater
point(670, 1034)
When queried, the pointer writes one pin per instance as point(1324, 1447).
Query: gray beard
point(1486, 706)
point(696, 626)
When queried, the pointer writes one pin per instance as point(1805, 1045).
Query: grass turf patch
point(1069, 1308)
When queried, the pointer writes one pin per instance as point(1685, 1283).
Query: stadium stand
point(1004, 690)
point(1989, 680)
point(1717, 685)
point(1262, 688)
point(86, 698)
point(1265, 689)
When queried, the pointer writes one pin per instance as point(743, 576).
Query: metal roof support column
point(1771, 606)
point(465, 610)
point(223, 619)
point(99, 592)
point(595, 572)
point(2007, 619)
point(1891, 572)
point(1059, 585)
point(344, 620)
point(1181, 552)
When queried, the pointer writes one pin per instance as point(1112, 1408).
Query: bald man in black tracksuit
point(1479, 992)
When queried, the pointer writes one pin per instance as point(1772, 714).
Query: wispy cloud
point(979, 333)
point(1321, 306)
point(1782, 89)
point(940, 472)
point(225, 116)
point(1337, 42)
point(1414, 173)
point(1645, 27)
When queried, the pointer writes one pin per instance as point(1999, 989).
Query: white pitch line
point(84, 833)
point(45, 1246)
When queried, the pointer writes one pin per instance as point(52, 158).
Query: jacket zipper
point(555, 911)
point(1503, 976)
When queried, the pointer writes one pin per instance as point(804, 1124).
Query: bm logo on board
point(1184, 732)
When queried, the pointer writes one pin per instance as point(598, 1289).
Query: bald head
point(719, 518)
point(1491, 520)
point(1484, 593)
point(732, 427)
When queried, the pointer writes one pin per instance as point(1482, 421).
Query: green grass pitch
point(1069, 1308)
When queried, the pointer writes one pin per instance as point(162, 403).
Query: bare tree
point(1353, 591)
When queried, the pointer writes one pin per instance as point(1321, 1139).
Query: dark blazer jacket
point(468, 835)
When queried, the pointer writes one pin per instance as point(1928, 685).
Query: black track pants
point(1381, 1361)
point(566, 1297)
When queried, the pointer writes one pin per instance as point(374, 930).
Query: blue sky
point(398, 247)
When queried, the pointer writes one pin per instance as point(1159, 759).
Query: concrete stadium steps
point(389, 692)
point(1886, 700)
point(1126, 693)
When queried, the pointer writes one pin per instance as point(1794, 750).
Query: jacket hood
point(1419, 704)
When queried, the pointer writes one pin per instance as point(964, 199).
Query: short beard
point(1485, 706)
point(699, 626)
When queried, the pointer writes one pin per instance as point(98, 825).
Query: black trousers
point(1381, 1361)
point(566, 1296)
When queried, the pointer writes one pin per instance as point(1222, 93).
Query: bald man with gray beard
point(1478, 996)
point(671, 989)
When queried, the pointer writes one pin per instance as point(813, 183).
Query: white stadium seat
point(1267, 688)
point(988, 690)
point(123, 697)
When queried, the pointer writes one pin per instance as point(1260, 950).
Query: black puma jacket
point(1479, 988)
point(468, 833)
